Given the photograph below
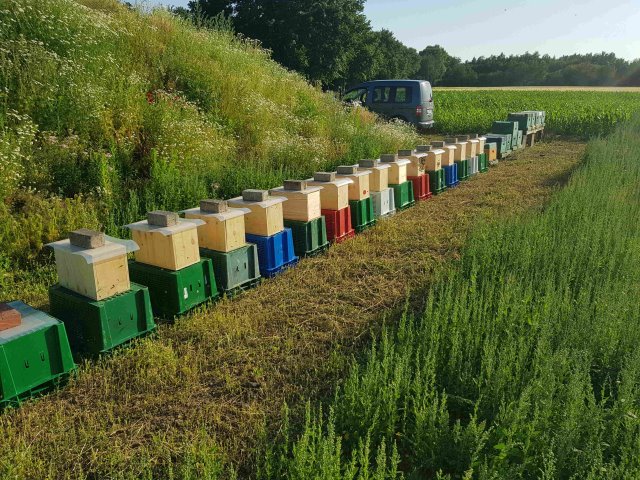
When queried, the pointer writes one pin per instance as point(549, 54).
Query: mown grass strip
point(524, 362)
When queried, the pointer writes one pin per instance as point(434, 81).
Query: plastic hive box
point(339, 226)
point(236, 270)
point(403, 195)
point(421, 187)
point(35, 356)
point(437, 181)
point(175, 292)
point(384, 204)
point(275, 252)
point(309, 238)
point(451, 175)
point(98, 326)
point(362, 216)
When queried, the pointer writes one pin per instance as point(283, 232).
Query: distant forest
point(331, 42)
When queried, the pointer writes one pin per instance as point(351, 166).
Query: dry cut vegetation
point(204, 395)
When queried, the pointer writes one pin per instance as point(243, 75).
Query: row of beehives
point(103, 299)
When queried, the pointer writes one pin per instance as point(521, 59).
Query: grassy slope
point(524, 362)
point(199, 395)
point(128, 112)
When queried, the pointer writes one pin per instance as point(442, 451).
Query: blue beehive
point(275, 252)
point(451, 175)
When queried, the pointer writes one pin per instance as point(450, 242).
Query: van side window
point(403, 95)
point(381, 94)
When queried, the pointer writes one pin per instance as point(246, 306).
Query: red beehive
point(421, 190)
point(339, 226)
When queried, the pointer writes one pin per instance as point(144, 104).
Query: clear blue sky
point(468, 28)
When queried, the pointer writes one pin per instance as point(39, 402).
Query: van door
point(381, 100)
point(404, 105)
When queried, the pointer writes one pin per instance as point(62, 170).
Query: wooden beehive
point(379, 180)
point(335, 191)
point(482, 141)
point(266, 213)
point(491, 149)
point(223, 228)
point(434, 159)
point(359, 188)
point(448, 157)
point(417, 159)
point(397, 170)
point(166, 241)
point(460, 152)
point(473, 148)
point(91, 265)
point(303, 201)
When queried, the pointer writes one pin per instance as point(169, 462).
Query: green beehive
point(98, 326)
point(526, 121)
point(35, 355)
point(175, 292)
point(437, 183)
point(309, 238)
point(362, 215)
point(403, 194)
point(503, 142)
point(235, 270)
point(483, 164)
point(506, 128)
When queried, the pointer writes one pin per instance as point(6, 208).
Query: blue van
point(408, 100)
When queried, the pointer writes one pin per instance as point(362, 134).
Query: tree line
point(331, 42)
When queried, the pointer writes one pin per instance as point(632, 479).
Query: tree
point(433, 64)
point(395, 60)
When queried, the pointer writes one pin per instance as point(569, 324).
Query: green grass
point(107, 112)
point(573, 113)
point(524, 362)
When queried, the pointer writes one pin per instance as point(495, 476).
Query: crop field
point(490, 332)
point(581, 113)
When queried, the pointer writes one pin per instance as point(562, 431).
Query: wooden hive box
point(434, 159)
point(303, 201)
point(93, 265)
point(398, 168)
point(448, 157)
point(417, 159)
point(359, 188)
point(473, 150)
point(379, 180)
point(265, 217)
point(460, 152)
point(482, 141)
point(335, 191)
point(166, 241)
point(491, 149)
point(223, 227)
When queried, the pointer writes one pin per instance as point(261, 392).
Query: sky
point(473, 28)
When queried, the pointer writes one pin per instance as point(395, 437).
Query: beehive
point(359, 187)
point(265, 217)
point(223, 227)
point(491, 149)
point(93, 265)
point(473, 145)
point(166, 241)
point(417, 159)
point(335, 191)
point(379, 180)
point(398, 170)
point(303, 201)
point(482, 140)
point(434, 159)
point(448, 157)
point(460, 152)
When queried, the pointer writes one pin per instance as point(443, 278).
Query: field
point(522, 364)
point(572, 112)
point(490, 332)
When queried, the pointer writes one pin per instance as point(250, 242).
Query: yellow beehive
point(266, 213)
point(97, 269)
point(359, 188)
point(482, 141)
point(166, 241)
point(379, 180)
point(223, 228)
point(460, 152)
point(434, 159)
point(491, 149)
point(398, 170)
point(417, 159)
point(448, 157)
point(303, 201)
point(335, 191)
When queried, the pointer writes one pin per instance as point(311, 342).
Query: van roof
point(394, 80)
